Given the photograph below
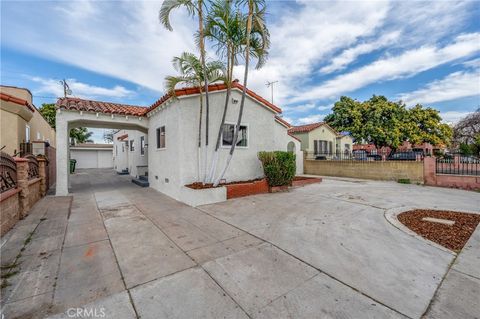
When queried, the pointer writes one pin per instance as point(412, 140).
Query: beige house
point(20, 120)
point(320, 139)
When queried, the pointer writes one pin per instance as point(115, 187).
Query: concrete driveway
point(322, 251)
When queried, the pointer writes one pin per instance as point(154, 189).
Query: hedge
point(279, 167)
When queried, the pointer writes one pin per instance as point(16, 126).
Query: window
point(229, 132)
point(39, 136)
point(132, 147)
point(322, 147)
point(142, 145)
point(123, 147)
point(161, 137)
point(27, 133)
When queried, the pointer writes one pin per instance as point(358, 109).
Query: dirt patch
point(198, 185)
point(452, 237)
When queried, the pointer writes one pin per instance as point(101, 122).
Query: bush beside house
point(279, 167)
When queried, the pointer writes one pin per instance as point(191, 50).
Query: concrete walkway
point(322, 251)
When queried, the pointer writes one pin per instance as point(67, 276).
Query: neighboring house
point(172, 126)
point(89, 155)
point(21, 122)
point(320, 139)
point(425, 148)
point(130, 152)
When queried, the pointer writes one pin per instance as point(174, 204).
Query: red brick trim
point(246, 189)
point(9, 193)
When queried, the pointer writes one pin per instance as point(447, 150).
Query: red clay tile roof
point(282, 121)
point(122, 137)
point(10, 98)
point(77, 104)
point(305, 128)
point(116, 108)
point(213, 88)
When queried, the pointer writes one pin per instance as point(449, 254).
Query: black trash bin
point(73, 163)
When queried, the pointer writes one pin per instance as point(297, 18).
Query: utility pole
point(66, 88)
point(270, 85)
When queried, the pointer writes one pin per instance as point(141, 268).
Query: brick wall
point(9, 210)
point(52, 165)
point(246, 189)
point(34, 193)
point(467, 182)
point(376, 170)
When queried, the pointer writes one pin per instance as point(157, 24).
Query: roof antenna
point(270, 85)
point(66, 88)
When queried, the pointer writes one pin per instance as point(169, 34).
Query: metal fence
point(8, 172)
point(363, 156)
point(458, 165)
point(33, 171)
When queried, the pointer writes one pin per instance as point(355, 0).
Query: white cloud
point(407, 64)
point(453, 117)
point(79, 89)
point(454, 86)
point(349, 55)
point(310, 119)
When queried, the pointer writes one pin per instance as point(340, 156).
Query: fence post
point(22, 182)
point(42, 168)
point(429, 170)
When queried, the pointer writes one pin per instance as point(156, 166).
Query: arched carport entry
point(72, 113)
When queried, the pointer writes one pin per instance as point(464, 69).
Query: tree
point(193, 8)
point(227, 29)
point(77, 135)
point(467, 132)
point(108, 135)
point(256, 36)
point(386, 123)
point(192, 75)
point(80, 135)
point(49, 112)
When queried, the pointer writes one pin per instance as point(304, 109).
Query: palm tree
point(194, 8)
point(257, 37)
point(192, 74)
point(224, 27)
point(80, 135)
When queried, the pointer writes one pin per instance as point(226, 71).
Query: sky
point(425, 52)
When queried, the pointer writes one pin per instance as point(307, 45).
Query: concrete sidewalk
point(323, 250)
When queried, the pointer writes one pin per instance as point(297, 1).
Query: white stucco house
point(170, 128)
point(130, 152)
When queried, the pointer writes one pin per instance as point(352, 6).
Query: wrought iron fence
point(458, 165)
point(363, 156)
point(33, 171)
point(25, 149)
point(8, 172)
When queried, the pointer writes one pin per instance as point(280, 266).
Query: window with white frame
point(132, 147)
point(161, 137)
point(142, 145)
point(228, 133)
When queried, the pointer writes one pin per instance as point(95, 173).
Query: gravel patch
point(452, 237)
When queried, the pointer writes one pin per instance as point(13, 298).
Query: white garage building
point(92, 155)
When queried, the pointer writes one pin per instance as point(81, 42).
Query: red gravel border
point(451, 237)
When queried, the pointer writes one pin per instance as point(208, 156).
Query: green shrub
point(404, 181)
point(279, 167)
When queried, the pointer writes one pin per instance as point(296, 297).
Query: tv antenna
point(66, 88)
point(270, 85)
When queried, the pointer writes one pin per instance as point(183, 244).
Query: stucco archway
point(72, 113)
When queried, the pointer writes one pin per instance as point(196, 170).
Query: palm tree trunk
point(205, 79)
point(200, 138)
point(224, 115)
point(244, 93)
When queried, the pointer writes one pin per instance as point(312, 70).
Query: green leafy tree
point(386, 123)
point(49, 112)
point(77, 135)
point(80, 135)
